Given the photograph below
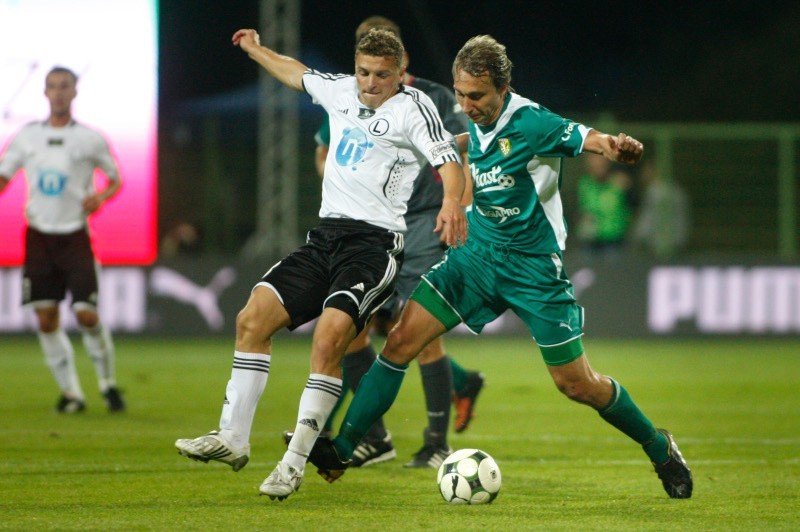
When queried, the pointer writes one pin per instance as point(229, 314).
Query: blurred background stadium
point(711, 91)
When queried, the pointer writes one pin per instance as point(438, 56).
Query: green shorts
point(476, 283)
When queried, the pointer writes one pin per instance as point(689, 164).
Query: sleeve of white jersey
point(13, 158)
point(104, 160)
point(427, 133)
point(322, 87)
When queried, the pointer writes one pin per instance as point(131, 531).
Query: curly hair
point(484, 56)
point(380, 42)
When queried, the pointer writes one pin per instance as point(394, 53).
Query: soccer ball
point(469, 476)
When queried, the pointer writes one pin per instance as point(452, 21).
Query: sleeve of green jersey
point(550, 134)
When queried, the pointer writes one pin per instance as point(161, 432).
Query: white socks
point(247, 383)
point(60, 357)
point(317, 402)
point(97, 341)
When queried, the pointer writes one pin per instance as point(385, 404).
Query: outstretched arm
point(283, 68)
point(621, 148)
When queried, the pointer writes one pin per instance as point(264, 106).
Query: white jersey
point(59, 165)
point(376, 154)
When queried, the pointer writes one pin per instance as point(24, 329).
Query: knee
point(401, 347)
point(87, 319)
point(48, 319)
point(250, 328)
point(574, 390)
point(328, 347)
point(589, 391)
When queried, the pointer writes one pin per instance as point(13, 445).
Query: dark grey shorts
point(423, 250)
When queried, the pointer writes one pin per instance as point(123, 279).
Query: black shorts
point(56, 263)
point(345, 264)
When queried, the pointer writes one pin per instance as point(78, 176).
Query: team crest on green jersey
point(505, 146)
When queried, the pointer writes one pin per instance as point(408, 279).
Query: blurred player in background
point(384, 133)
point(59, 157)
point(605, 207)
point(512, 260)
point(443, 379)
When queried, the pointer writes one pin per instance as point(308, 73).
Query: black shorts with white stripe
point(345, 264)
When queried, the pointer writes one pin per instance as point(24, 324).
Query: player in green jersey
point(512, 260)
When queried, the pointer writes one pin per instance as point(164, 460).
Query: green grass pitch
point(733, 405)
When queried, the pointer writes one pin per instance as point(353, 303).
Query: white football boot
point(282, 482)
point(213, 447)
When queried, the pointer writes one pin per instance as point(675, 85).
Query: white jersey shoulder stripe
point(324, 75)
point(432, 120)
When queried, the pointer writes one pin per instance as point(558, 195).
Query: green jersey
point(516, 175)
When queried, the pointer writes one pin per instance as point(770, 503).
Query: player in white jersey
point(383, 133)
point(59, 158)
point(443, 379)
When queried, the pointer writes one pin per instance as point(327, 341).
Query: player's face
point(378, 79)
point(59, 88)
point(480, 100)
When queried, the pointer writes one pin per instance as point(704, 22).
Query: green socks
point(622, 413)
point(376, 393)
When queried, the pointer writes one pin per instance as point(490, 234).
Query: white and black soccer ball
point(469, 476)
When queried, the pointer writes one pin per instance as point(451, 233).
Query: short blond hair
point(379, 42)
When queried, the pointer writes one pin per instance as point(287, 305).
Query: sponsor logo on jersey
point(55, 142)
point(344, 111)
point(51, 182)
point(352, 147)
point(495, 211)
point(436, 149)
point(366, 113)
point(491, 180)
point(568, 131)
point(379, 127)
point(505, 146)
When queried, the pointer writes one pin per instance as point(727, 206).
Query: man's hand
point(247, 40)
point(626, 149)
point(92, 203)
point(452, 223)
point(283, 68)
